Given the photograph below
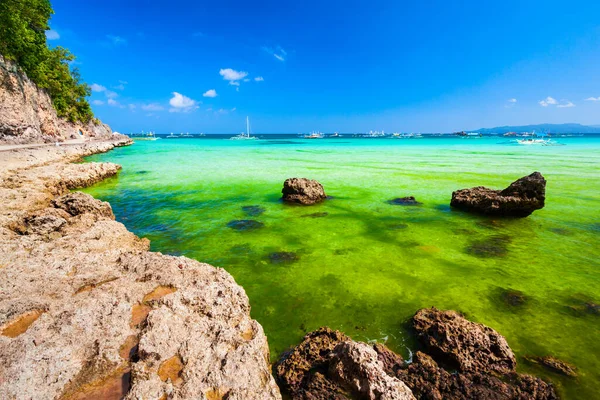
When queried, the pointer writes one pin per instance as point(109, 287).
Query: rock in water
point(465, 345)
point(303, 191)
point(404, 201)
point(554, 365)
point(520, 199)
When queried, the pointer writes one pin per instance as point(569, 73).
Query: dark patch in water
point(490, 224)
point(316, 215)
point(142, 172)
point(268, 142)
point(581, 305)
point(404, 201)
point(240, 250)
point(253, 211)
point(283, 257)
point(330, 280)
point(443, 207)
point(561, 231)
point(397, 227)
point(513, 298)
point(245, 225)
point(495, 246)
point(341, 252)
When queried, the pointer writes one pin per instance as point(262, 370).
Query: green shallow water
point(366, 266)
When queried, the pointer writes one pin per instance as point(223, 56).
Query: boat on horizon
point(244, 136)
point(314, 135)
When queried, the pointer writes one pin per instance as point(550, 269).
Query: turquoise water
point(361, 265)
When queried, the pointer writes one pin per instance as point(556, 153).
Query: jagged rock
point(78, 203)
point(50, 220)
point(293, 371)
point(404, 201)
point(462, 344)
point(520, 199)
point(554, 365)
point(355, 366)
point(428, 381)
point(303, 191)
point(91, 311)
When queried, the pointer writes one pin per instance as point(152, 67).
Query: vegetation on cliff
point(23, 26)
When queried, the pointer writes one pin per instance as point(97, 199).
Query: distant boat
point(374, 134)
point(187, 134)
point(172, 136)
point(245, 136)
point(534, 141)
point(314, 135)
point(335, 134)
point(473, 134)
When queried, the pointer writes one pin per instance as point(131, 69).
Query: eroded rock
point(462, 344)
point(404, 201)
point(303, 191)
point(520, 199)
point(78, 203)
point(555, 365)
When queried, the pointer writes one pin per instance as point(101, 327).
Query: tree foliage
point(23, 26)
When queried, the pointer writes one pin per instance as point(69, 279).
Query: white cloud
point(97, 102)
point(52, 35)
point(232, 75)
point(568, 104)
point(593, 99)
point(132, 106)
point(110, 94)
point(247, 80)
point(152, 107)
point(114, 103)
point(97, 88)
point(512, 100)
point(279, 53)
point(116, 40)
point(119, 87)
point(181, 103)
point(123, 82)
point(510, 103)
point(259, 79)
point(210, 93)
point(233, 109)
point(547, 101)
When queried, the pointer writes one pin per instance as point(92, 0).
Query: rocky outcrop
point(462, 344)
point(474, 363)
point(27, 114)
point(555, 365)
point(86, 310)
point(520, 199)
point(404, 201)
point(303, 191)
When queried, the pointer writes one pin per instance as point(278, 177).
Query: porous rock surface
point(27, 114)
point(465, 345)
point(303, 191)
point(520, 199)
point(329, 365)
point(86, 311)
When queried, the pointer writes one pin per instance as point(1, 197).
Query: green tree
point(23, 26)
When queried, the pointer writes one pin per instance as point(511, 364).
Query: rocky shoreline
point(86, 311)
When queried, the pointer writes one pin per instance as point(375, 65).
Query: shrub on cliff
point(23, 26)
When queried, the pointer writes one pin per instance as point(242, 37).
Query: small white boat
point(244, 136)
point(172, 136)
point(534, 141)
point(314, 135)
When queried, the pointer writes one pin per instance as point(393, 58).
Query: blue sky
point(348, 66)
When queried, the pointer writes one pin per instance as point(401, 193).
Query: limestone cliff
point(27, 114)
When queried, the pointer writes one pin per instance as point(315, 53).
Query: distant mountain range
point(544, 128)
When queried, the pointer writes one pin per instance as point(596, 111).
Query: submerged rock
point(283, 257)
point(253, 211)
point(405, 201)
point(494, 246)
point(303, 191)
point(316, 215)
point(513, 298)
point(245, 224)
point(520, 199)
point(462, 344)
point(555, 365)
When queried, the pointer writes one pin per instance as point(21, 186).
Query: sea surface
point(364, 266)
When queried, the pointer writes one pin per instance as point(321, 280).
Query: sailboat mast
point(247, 127)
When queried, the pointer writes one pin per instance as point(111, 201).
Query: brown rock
point(303, 191)
point(78, 203)
point(555, 365)
point(355, 366)
point(520, 199)
point(462, 344)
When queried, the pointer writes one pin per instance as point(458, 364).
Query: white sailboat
point(245, 136)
